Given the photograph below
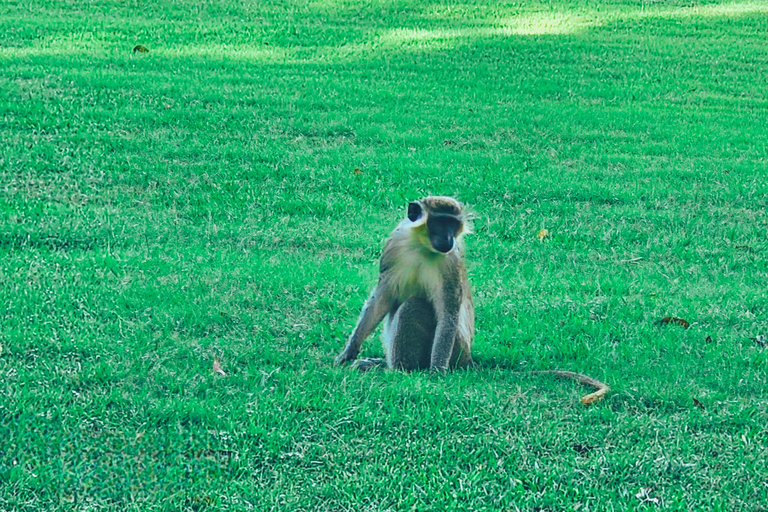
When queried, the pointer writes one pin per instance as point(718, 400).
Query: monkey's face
point(442, 221)
point(442, 230)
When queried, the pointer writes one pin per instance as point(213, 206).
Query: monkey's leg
point(409, 334)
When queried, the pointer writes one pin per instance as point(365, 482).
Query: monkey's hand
point(348, 354)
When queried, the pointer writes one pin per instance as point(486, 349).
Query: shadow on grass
point(19, 241)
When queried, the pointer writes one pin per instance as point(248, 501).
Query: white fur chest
point(416, 276)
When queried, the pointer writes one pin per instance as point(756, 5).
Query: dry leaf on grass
point(217, 367)
point(357, 171)
point(140, 49)
point(541, 235)
point(674, 320)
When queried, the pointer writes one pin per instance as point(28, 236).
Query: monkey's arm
point(445, 332)
point(374, 310)
point(445, 336)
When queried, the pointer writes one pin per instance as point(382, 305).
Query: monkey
point(423, 292)
point(423, 296)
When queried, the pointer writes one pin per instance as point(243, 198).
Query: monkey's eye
point(414, 211)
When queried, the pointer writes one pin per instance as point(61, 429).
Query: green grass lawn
point(226, 195)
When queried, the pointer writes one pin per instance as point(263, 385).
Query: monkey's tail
point(591, 398)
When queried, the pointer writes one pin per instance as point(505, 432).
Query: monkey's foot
point(368, 363)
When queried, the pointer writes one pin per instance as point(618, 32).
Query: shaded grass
point(161, 211)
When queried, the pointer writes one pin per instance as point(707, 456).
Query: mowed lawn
point(224, 197)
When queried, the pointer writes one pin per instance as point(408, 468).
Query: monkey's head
point(438, 220)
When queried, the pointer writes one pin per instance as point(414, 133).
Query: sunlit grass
point(699, 9)
point(447, 32)
point(521, 25)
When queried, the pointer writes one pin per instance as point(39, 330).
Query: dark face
point(442, 230)
point(443, 223)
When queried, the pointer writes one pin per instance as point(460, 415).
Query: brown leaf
point(140, 49)
point(357, 171)
point(698, 404)
point(674, 320)
point(541, 235)
point(217, 368)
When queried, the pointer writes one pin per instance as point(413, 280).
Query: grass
point(200, 202)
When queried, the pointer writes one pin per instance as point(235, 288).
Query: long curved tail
point(591, 398)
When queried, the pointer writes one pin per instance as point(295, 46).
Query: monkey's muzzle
point(442, 244)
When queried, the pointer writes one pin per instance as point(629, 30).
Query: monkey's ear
point(414, 211)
